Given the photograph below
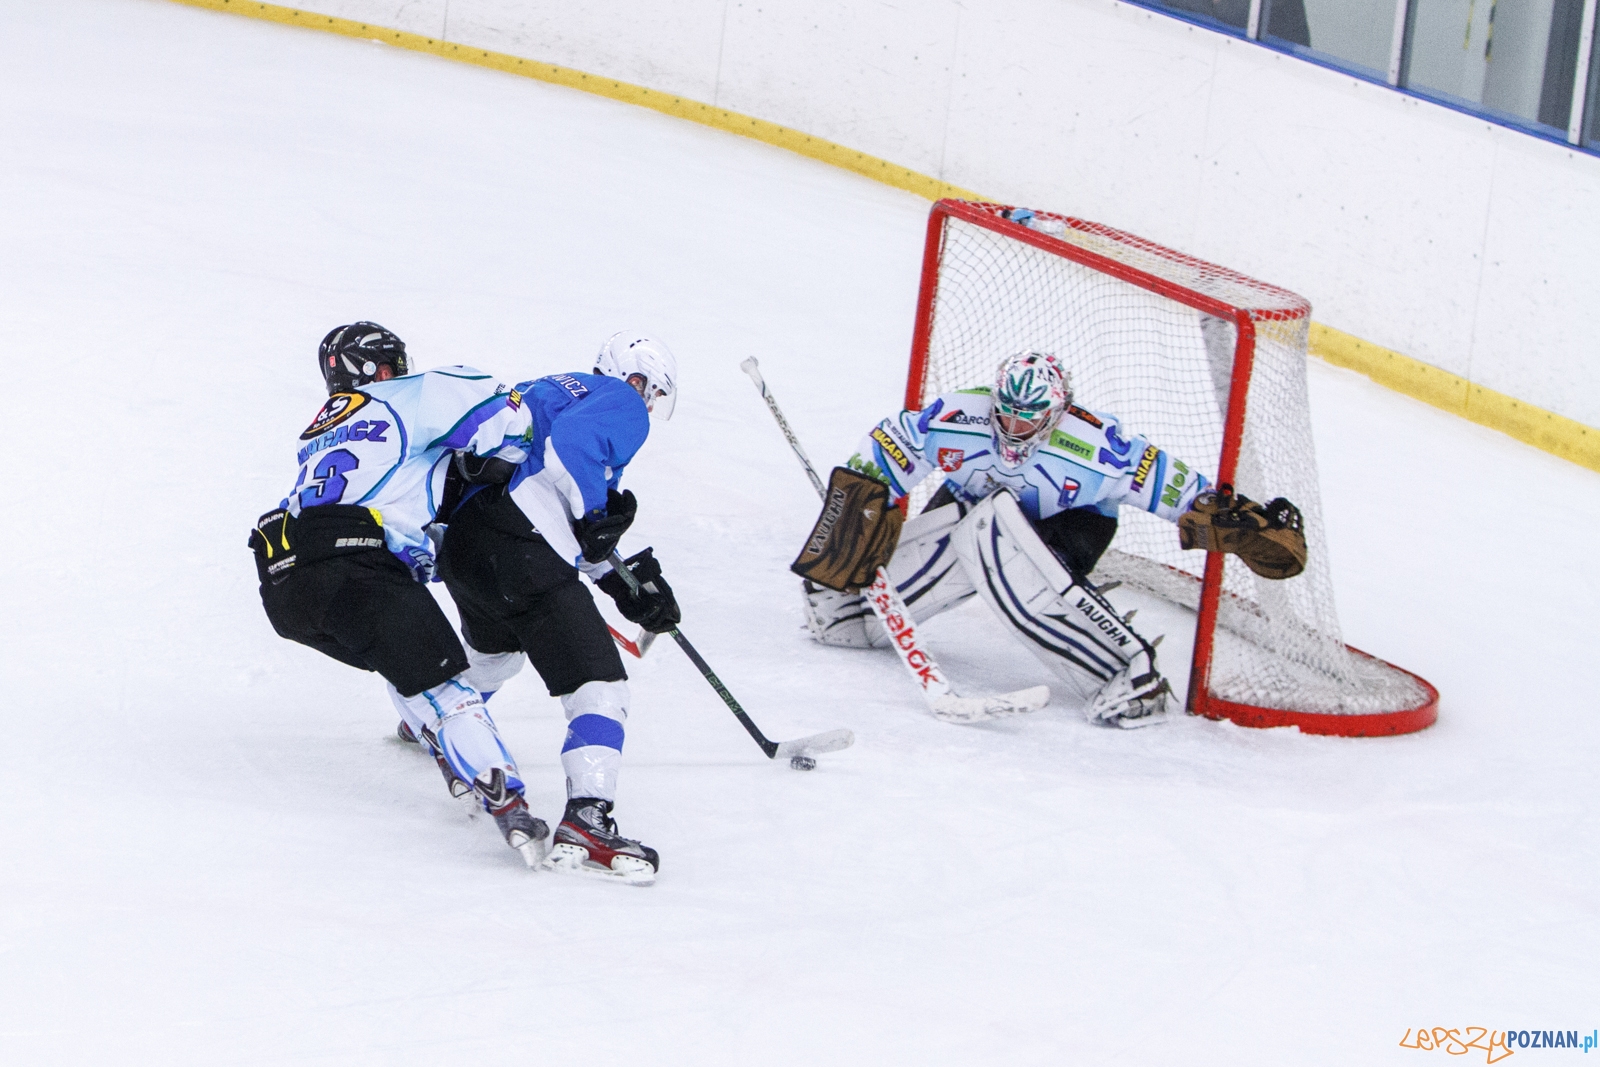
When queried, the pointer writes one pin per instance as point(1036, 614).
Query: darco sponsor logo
point(830, 515)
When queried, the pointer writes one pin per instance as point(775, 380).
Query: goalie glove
point(855, 535)
point(1269, 539)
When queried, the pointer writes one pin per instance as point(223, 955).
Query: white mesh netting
point(1164, 369)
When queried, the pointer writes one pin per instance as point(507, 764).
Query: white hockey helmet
point(644, 363)
point(1031, 390)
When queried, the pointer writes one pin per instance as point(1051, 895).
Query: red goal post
point(1207, 363)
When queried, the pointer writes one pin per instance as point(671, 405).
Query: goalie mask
point(644, 363)
point(1030, 393)
point(351, 355)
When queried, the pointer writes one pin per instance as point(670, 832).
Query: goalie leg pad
point(1071, 627)
point(925, 571)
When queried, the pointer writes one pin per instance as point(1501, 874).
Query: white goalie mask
point(1031, 390)
point(644, 363)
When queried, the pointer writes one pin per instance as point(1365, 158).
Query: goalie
point(1032, 488)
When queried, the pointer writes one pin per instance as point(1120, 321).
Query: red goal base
point(1382, 724)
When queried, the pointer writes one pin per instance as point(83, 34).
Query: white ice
point(214, 852)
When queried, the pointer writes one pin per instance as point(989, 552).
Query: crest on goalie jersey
point(950, 459)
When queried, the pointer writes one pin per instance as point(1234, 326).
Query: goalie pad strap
point(854, 536)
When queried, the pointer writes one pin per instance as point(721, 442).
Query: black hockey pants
point(366, 610)
point(514, 592)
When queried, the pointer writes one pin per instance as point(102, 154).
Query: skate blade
point(951, 708)
point(471, 806)
point(570, 859)
point(532, 851)
point(1135, 724)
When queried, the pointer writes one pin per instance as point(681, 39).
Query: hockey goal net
point(1208, 364)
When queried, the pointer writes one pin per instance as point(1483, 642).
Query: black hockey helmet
point(351, 355)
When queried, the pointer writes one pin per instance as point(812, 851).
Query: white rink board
point(1424, 230)
point(214, 852)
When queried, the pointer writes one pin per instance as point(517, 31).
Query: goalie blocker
point(855, 535)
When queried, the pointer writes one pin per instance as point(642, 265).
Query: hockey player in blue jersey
point(342, 559)
point(1032, 487)
point(512, 558)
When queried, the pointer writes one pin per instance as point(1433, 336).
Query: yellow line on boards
point(880, 170)
point(1543, 429)
point(1556, 434)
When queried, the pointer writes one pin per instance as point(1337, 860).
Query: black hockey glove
point(654, 608)
point(599, 531)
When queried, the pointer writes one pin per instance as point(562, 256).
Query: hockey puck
point(803, 763)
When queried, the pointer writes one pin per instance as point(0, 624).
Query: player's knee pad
point(924, 569)
point(592, 752)
point(491, 670)
point(1070, 626)
point(609, 699)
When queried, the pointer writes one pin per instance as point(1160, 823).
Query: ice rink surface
point(214, 851)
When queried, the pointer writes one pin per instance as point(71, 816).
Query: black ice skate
point(521, 830)
point(459, 790)
point(587, 843)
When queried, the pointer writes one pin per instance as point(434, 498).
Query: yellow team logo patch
point(892, 450)
point(340, 406)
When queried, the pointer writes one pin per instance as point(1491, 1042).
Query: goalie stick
point(798, 751)
point(891, 610)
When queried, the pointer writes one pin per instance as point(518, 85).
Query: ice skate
point(459, 791)
point(522, 831)
point(587, 843)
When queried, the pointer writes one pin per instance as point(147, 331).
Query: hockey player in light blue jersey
point(512, 559)
point(341, 558)
point(1032, 486)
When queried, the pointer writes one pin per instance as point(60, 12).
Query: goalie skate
point(1131, 702)
point(587, 843)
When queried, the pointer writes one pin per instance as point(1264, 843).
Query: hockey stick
point(799, 751)
point(891, 610)
point(636, 648)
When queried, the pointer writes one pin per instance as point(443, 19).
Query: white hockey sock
point(592, 752)
point(467, 738)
